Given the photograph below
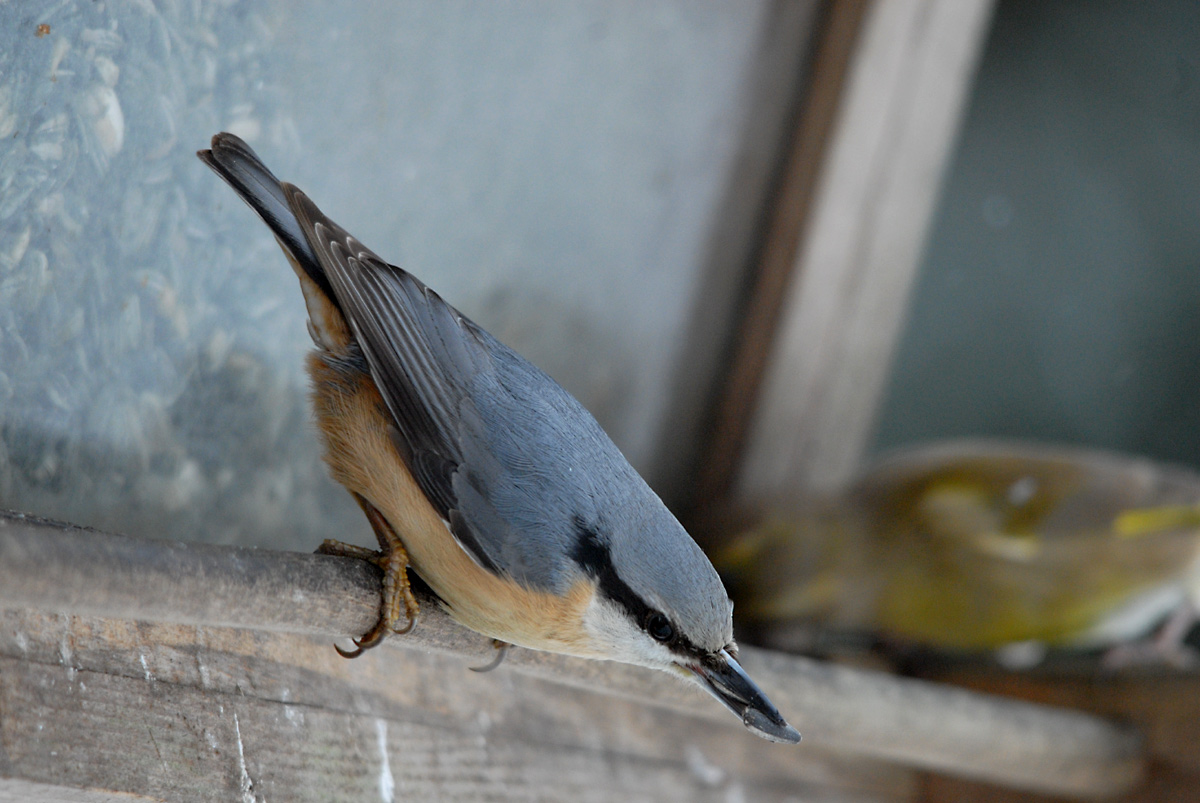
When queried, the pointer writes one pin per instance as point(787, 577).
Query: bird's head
point(659, 603)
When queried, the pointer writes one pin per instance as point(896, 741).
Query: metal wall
point(583, 179)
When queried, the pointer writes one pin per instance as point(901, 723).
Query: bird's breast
point(357, 428)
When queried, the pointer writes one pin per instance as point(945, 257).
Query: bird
point(481, 474)
point(982, 546)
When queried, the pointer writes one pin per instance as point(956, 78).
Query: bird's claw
point(392, 559)
point(502, 648)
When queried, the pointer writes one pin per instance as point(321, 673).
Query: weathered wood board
point(256, 623)
point(180, 741)
point(185, 713)
point(842, 312)
point(1164, 705)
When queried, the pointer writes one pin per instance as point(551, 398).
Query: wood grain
point(1165, 706)
point(73, 596)
point(746, 365)
point(185, 713)
point(843, 309)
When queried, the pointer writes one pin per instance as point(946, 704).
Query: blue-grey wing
point(499, 449)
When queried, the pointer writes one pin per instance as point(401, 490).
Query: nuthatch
point(492, 482)
point(969, 546)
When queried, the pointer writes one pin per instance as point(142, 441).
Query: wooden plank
point(187, 713)
point(1164, 705)
point(840, 709)
point(843, 311)
point(784, 70)
point(837, 32)
point(15, 790)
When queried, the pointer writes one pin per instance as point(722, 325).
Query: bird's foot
point(392, 559)
point(502, 648)
point(1166, 647)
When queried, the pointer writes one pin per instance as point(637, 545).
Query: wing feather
point(476, 423)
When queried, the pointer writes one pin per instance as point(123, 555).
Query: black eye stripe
point(593, 555)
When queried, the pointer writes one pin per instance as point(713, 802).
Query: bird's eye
point(659, 627)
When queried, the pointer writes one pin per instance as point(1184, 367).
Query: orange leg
point(392, 558)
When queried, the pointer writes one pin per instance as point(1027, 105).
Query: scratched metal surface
point(564, 174)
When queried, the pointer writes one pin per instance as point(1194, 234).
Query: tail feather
point(235, 162)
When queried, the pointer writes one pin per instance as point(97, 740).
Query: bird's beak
point(725, 679)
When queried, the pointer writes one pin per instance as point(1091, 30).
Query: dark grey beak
point(725, 679)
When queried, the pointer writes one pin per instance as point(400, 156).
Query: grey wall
point(1060, 297)
point(582, 178)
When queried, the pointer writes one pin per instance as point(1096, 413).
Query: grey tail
point(234, 160)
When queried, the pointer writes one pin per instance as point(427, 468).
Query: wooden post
point(843, 308)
